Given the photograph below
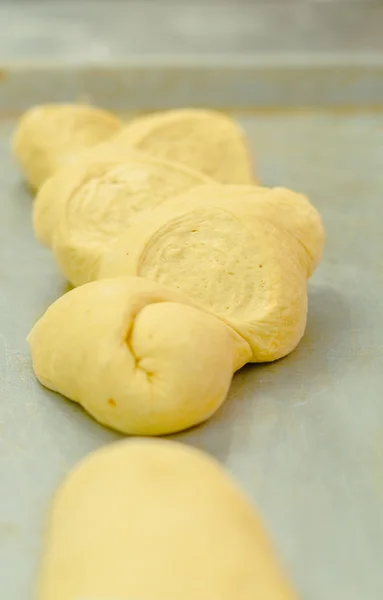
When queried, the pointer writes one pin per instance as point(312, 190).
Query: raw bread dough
point(55, 191)
point(48, 136)
point(104, 201)
point(225, 247)
point(205, 140)
point(156, 520)
point(282, 207)
point(136, 355)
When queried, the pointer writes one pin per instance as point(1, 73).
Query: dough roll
point(205, 140)
point(49, 136)
point(136, 355)
point(156, 520)
point(103, 192)
point(242, 253)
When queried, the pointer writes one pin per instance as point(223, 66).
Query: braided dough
point(156, 520)
point(197, 274)
point(136, 355)
point(205, 140)
point(47, 137)
point(66, 181)
point(51, 136)
point(103, 199)
point(283, 208)
point(241, 252)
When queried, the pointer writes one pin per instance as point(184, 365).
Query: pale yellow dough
point(49, 136)
point(216, 273)
point(156, 520)
point(205, 140)
point(243, 253)
point(65, 182)
point(136, 355)
point(108, 198)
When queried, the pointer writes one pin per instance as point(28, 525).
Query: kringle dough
point(136, 355)
point(48, 136)
point(225, 248)
point(106, 199)
point(156, 520)
point(285, 209)
point(205, 140)
point(55, 191)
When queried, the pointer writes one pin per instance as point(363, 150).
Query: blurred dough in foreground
point(156, 520)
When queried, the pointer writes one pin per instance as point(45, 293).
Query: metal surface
point(304, 436)
point(91, 30)
point(240, 82)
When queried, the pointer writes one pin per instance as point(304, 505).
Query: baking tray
point(304, 436)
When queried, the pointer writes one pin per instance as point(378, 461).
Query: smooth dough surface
point(156, 520)
point(48, 136)
point(55, 191)
point(207, 141)
point(224, 247)
point(109, 198)
point(136, 355)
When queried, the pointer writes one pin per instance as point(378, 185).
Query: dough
point(225, 248)
point(104, 201)
point(55, 191)
point(136, 355)
point(156, 520)
point(48, 136)
point(205, 140)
